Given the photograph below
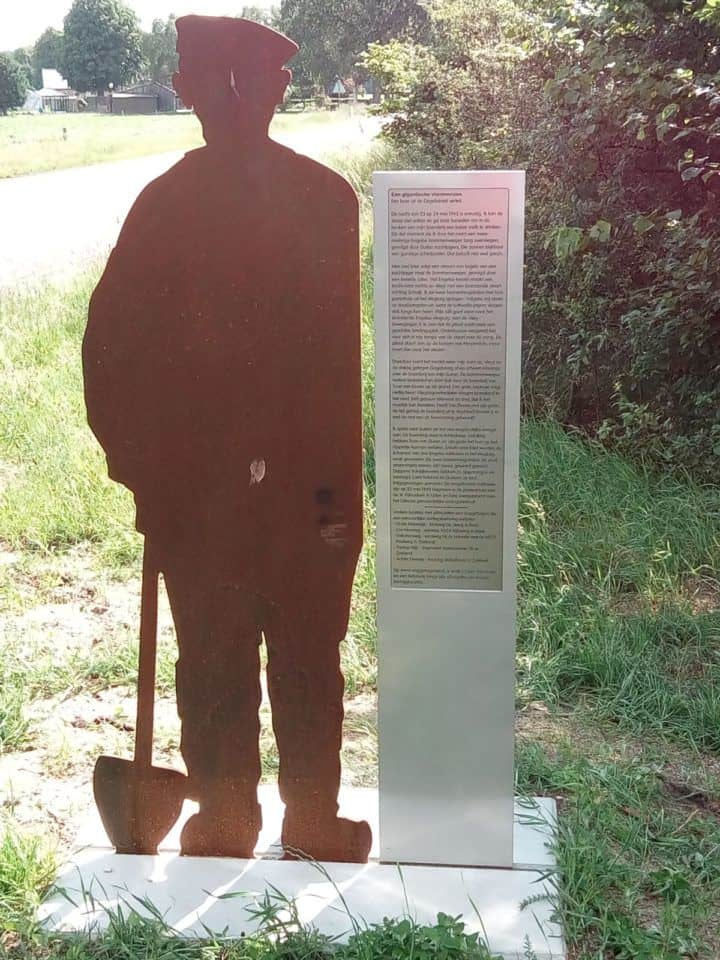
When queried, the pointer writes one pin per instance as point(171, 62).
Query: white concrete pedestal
point(195, 895)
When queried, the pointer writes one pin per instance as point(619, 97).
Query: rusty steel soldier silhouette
point(222, 378)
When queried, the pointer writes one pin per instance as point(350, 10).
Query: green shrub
point(13, 83)
point(614, 110)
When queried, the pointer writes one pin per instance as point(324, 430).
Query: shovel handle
point(147, 657)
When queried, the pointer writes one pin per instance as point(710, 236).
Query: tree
point(13, 83)
point(260, 15)
point(48, 52)
point(22, 56)
point(333, 33)
point(103, 45)
point(159, 51)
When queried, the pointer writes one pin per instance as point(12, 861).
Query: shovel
point(139, 803)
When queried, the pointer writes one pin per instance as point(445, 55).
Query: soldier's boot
point(220, 830)
point(311, 833)
point(306, 693)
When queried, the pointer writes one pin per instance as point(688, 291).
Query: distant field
point(52, 141)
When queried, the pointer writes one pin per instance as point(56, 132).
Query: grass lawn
point(618, 697)
point(31, 143)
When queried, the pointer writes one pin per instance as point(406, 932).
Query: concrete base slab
point(198, 895)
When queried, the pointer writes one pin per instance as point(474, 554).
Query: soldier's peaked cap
point(233, 39)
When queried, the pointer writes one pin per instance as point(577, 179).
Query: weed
point(14, 723)
point(406, 938)
point(27, 868)
point(629, 882)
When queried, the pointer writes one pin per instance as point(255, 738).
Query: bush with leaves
point(13, 83)
point(333, 33)
point(614, 110)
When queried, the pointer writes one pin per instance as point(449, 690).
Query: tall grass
point(43, 142)
point(609, 555)
point(639, 872)
point(55, 491)
point(27, 868)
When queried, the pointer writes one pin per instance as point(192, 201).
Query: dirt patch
point(703, 594)
point(690, 796)
point(685, 773)
point(537, 723)
point(631, 605)
point(48, 789)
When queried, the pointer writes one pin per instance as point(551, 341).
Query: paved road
point(51, 224)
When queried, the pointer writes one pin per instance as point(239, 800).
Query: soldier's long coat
point(222, 368)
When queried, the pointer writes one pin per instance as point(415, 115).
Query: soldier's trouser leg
point(306, 694)
point(218, 694)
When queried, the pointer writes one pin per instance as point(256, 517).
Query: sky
point(21, 23)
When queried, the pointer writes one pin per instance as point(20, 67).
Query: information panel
point(448, 295)
point(448, 317)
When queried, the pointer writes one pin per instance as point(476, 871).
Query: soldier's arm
point(112, 349)
point(338, 490)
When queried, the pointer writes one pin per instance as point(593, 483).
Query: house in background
point(146, 96)
point(166, 100)
point(130, 103)
point(54, 96)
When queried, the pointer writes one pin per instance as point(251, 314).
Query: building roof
point(53, 80)
point(135, 87)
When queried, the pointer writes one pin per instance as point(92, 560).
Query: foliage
point(638, 866)
point(260, 14)
point(22, 56)
point(26, 871)
point(398, 66)
point(446, 940)
point(609, 560)
point(158, 48)
point(48, 52)
point(13, 83)
point(465, 98)
point(614, 110)
point(103, 45)
point(333, 33)
point(638, 116)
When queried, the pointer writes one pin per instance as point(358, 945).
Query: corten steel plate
point(222, 378)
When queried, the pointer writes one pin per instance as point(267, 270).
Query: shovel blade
point(138, 804)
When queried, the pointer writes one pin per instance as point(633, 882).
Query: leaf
point(601, 231)
point(689, 173)
point(642, 225)
point(669, 111)
point(567, 241)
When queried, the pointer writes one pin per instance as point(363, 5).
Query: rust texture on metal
point(222, 379)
